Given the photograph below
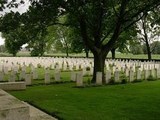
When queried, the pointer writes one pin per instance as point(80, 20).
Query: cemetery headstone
point(73, 76)
point(35, 74)
point(99, 78)
point(116, 76)
point(28, 79)
point(146, 74)
point(57, 76)
point(108, 76)
point(138, 75)
point(22, 75)
point(47, 78)
point(131, 75)
point(79, 79)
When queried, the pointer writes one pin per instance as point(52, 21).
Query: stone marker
point(28, 79)
point(116, 76)
point(13, 85)
point(153, 73)
point(146, 74)
point(79, 79)
point(47, 78)
point(57, 76)
point(24, 68)
point(22, 75)
point(99, 78)
point(73, 76)
point(126, 72)
point(64, 67)
point(131, 75)
point(108, 76)
point(138, 75)
point(35, 74)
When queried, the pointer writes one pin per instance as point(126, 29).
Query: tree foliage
point(148, 32)
point(13, 31)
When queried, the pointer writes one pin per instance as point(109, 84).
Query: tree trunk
point(113, 53)
point(67, 52)
point(99, 63)
point(146, 37)
point(87, 52)
point(148, 51)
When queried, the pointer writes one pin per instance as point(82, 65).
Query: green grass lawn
point(135, 101)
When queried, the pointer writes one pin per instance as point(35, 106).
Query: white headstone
point(24, 68)
point(28, 79)
point(79, 79)
point(146, 74)
point(64, 67)
point(126, 72)
point(116, 76)
point(138, 75)
point(35, 74)
point(99, 78)
point(57, 76)
point(108, 76)
point(47, 78)
point(22, 75)
point(131, 76)
point(153, 73)
point(73, 76)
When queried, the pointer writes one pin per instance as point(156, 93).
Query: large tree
point(100, 21)
point(148, 31)
point(13, 31)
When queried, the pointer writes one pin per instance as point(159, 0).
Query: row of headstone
point(8, 64)
point(155, 73)
point(64, 63)
point(132, 76)
point(73, 64)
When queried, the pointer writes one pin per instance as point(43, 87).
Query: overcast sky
point(21, 9)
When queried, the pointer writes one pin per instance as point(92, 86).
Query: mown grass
point(135, 101)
